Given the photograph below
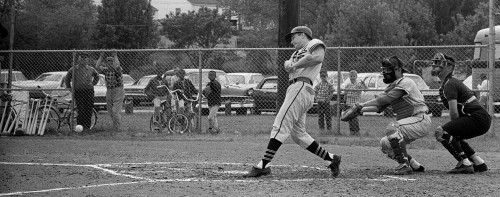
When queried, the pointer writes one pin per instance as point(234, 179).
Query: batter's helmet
point(299, 29)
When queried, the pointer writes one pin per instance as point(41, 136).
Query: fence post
point(491, 63)
point(198, 124)
point(337, 108)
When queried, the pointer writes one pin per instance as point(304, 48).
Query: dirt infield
point(203, 165)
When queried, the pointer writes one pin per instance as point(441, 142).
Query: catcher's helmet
point(440, 57)
point(392, 62)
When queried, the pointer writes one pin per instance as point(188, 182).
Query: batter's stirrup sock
point(446, 144)
point(466, 148)
point(320, 151)
point(398, 151)
point(272, 148)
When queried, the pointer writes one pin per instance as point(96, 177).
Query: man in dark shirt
point(83, 77)
point(212, 92)
point(468, 118)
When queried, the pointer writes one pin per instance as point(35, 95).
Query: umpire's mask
point(438, 62)
point(389, 66)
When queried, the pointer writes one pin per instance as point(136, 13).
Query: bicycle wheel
point(50, 121)
point(93, 119)
point(178, 123)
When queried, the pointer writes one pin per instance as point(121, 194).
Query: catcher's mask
point(389, 67)
point(439, 61)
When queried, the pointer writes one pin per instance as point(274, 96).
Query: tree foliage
point(126, 24)
point(54, 24)
point(205, 28)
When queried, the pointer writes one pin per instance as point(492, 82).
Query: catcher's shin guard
point(446, 144)
point(398, 150)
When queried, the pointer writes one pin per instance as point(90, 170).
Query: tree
point(55, 24)
point(205, 28)
point(467, 27)
point(367, 23)
point(447, 12)
point(126, 24)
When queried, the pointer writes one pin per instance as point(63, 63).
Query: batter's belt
point(303, 79)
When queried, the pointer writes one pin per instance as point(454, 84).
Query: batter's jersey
point(411, 103)
point(309, 72)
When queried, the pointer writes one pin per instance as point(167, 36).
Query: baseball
point(79, 128)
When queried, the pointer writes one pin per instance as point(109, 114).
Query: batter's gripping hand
point(352, 113)
point(289, 66)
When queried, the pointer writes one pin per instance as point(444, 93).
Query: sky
point(164, 6)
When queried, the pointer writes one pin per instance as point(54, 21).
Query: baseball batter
point(468, 118)
point(303, 66)
point(403, 95)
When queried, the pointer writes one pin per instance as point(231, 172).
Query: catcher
point(413, 122)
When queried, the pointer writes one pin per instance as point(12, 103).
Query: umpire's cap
point(394, 61)
point(299, 29)
point(440, 57)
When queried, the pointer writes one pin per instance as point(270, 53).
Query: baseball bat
point(19, 117)
point(14, 121)
point(31, 116)
point(45, 102)
point(3, 114)
point(7, 124)
point(35, 118)
point(46, 116)
point(26, 117)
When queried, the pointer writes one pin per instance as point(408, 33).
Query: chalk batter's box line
point(148, 180)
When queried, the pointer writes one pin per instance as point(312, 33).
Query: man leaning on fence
point(353, 88)
point(115, 93)
point(324, 92)
point(84, 78)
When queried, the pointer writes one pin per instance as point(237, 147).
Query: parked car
point(55, 80)
point(136, 90)
point(127, 80)
point(246, 81)
point(233, 94)
point(16, 76)
point(374, 81)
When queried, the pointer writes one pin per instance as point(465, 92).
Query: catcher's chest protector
point(409, 104)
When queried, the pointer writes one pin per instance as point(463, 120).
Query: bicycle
point(60, 113)
point(170, 117)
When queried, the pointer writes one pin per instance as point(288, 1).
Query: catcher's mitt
point(352, 113)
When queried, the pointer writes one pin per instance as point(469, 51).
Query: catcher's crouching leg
point(398, 147)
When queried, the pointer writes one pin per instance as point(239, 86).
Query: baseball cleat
point(480, 168)
point(256, 172)
point(419, 169)
point(462, 169)
point(335, 165)
point(403, 169)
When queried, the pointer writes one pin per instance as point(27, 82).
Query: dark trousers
point(353, 125)
point(325, 115)
point(84, 102)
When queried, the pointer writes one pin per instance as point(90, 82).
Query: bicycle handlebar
point(171, 92)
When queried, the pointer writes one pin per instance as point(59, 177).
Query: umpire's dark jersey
point(473, 119)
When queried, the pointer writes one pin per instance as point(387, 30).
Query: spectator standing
point(214, 101)
point(352, 89)
point(483, 98)
point(115, 92)
point(188, 90)
point(84, 78)
point(158, 94)
point(324, 92)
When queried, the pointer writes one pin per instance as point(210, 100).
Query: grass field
point(259, 126)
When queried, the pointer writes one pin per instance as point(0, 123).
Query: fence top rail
point(240, 49)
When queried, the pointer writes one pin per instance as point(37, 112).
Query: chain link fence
point(248, 79)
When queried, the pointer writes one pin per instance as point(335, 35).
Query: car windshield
point(19, 77)
point(194, 78)
point(236, 79)
point(144, 81)
point(270, 84)
point(255, 79)
point(49, 77)
point(333, 78)
point(127, 80)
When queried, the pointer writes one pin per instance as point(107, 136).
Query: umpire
point(468, 118)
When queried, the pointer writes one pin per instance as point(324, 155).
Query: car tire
point(256, 111)
point(241, 111)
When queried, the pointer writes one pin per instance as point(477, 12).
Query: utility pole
point(289, 18)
